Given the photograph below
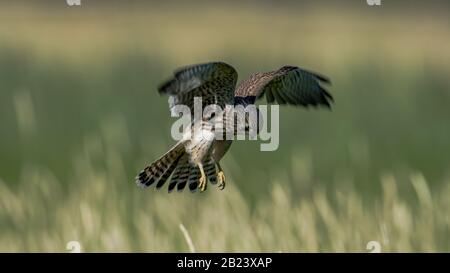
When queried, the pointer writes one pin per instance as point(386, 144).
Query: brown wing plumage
point(214, 82)
point(287, 85)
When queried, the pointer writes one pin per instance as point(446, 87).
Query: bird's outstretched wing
point(214, 82)
point(287, 85)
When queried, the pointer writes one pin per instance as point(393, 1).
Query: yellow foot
point(202, 183)
point(221, 178)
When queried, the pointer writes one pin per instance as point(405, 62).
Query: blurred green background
point(80, 116)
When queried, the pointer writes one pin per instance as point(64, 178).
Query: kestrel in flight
point(193, 160)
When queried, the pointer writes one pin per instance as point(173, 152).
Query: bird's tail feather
point(211, 172)
point(193, 179)
point(181, 173)
point(185, 171)
point(188, 173)
point(160, 170)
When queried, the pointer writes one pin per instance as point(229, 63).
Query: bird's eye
point(213, 115)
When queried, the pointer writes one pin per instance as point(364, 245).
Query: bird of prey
point(194, 160)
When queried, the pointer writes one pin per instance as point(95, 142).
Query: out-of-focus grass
point(104, 212)
point(78, 107)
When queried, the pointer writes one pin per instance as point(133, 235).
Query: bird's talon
point(221, 178)
point(202, 183)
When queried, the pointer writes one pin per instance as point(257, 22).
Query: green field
point(80, 116)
